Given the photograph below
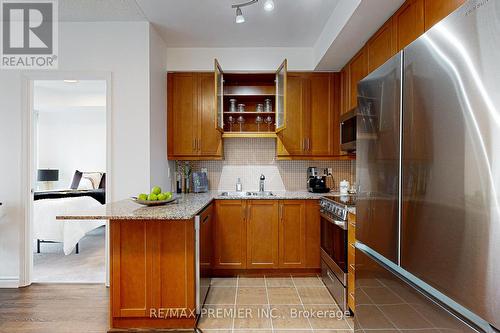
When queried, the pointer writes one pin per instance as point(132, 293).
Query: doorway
point(68, 171)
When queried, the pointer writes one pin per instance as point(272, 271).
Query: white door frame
point(28, 162)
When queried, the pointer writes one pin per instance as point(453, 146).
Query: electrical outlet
point(205, 170)
point(330, 171)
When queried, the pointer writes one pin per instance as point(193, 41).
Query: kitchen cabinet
point(435, 11)
point(313, 236)
point(312, 112)
point(345, 101)
point(408, 23)
point(291, 141)
point(292, 234)
point(250, 90)
point(351, 261)
point(267, 234)
point(358, 69)
point(192, 133)
point(381, 46)
point(262, 233)
point(147, 272)
point(230, 234)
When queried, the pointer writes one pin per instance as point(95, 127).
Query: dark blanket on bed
point(99, 194)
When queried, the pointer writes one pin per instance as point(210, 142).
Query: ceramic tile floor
point(271, 304)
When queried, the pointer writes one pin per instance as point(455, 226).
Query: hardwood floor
point(55, 308)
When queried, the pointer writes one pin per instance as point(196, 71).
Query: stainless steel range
point(333, 211)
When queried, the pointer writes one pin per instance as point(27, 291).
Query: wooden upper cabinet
point(209, 139)
point(191, 121)
point(281, 96)
point(381, 46)
point(292, 234)
point(345, 100)
point(181, 113)
point(262, 233)
point(323, 111)
point(408, 23)
point(358, 69)
point(219, 96)
point(292, 139)
point(230, 234)
point(435, 10)
point(313, 101)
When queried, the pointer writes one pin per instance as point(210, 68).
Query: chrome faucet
point(261, 183)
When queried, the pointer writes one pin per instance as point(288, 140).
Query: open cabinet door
point(281, 97)
point(219, 96)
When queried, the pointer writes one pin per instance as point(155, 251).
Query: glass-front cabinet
point(280, 96)
point(250, 104)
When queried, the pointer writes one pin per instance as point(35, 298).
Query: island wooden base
point(152, 274)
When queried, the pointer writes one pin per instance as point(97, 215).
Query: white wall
point(72, 140)
point(243, 59)
point(121, 48)
point(158, 117)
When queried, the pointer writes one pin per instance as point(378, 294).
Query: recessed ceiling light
point(269, 5)
point(71, 81)
point(239, 16)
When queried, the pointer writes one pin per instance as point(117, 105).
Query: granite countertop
point(187, 206)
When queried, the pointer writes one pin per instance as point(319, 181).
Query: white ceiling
point(210, 23)
point(99, 10)
point(333, 30)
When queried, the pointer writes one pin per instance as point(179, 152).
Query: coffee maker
point(315, 182)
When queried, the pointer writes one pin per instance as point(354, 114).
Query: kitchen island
point(157, 254)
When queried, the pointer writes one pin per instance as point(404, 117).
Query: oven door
point(334, 241)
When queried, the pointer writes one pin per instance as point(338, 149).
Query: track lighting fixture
point(268, 6)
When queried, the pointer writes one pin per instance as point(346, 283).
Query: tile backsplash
point(248, 158)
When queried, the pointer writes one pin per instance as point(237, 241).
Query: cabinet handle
point(308, 140)
point(194, 145)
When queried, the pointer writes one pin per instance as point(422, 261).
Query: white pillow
point(94, 177)
point(85, 184)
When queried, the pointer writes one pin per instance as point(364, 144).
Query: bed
point(49, 204)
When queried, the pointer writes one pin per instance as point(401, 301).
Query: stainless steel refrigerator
point(428, 168)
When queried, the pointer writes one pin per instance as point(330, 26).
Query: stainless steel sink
point(248, 194)
point(260, 194)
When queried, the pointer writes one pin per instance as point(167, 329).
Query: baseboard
point(9, 282)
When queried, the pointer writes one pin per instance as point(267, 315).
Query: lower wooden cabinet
point(147, 273)
point(292, 234)
point(351, 261)
point(267, 234)
point(230, 235)
point(262, 233)
point(313, 236)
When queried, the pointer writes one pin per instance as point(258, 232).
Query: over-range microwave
point(348, 131)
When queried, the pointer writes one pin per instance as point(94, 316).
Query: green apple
point(168, 195)
point(152, 197)
point(143, 197)
point(162, 196)
point(156, 190)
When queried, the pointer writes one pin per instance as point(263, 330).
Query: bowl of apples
point(155, 198)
